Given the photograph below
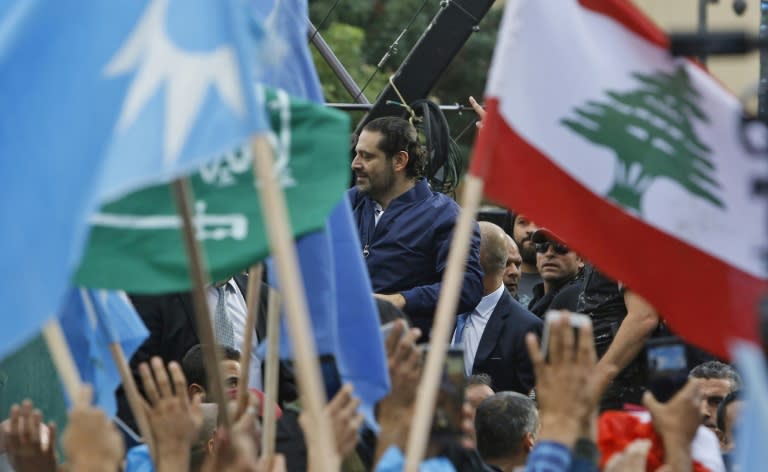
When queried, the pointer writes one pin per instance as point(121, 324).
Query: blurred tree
point(361, 32)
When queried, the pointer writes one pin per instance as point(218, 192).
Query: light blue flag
point(345, 319)
point(97, 100)
point(91, 321)
point(752, 426)
point(290, 65)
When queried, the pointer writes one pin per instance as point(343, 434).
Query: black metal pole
point(367, 106)
point(336, 66)
point(762, 88)
point(703, 4)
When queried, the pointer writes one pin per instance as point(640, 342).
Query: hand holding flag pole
point(270, 378)
point(284, 252)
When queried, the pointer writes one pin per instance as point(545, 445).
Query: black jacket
point(502, 353)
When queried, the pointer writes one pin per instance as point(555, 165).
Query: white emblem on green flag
point(136, 243)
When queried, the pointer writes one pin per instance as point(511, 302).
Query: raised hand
point(29, 443)
point(91, 442)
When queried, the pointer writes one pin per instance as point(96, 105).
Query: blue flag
point(290, 65)
point(345, 319)
point(98, 100)
point(91, 321)
point(752, 426)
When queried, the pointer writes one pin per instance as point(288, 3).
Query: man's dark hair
point(717, 370)
point(193, 364)
point(501, 423)
point(398, 135)
point(723, 408)
point(480, 379)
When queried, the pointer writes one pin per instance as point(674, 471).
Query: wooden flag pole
point(211, 355)
point(275, 212)
point(134, 398)
point(62, 357)
point(443, 324)
point(255, 274)
point(270, 377)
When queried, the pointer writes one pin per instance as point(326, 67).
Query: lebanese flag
point(633, 157)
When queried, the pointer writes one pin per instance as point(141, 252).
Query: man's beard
point(527, 253)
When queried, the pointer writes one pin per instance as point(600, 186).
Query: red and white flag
point(633, 157)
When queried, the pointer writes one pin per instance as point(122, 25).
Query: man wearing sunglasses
point(558, 266)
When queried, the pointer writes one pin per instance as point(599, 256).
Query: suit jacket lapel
point(189, 311)
point(493, 328)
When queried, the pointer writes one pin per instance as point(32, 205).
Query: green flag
point(136, 243)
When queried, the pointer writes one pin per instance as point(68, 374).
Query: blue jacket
point(408, 250)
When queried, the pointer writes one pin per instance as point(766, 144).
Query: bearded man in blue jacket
point(405, 228)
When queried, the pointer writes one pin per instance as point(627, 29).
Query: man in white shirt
point(493, 334)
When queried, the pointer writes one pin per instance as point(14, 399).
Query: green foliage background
point(361, 31)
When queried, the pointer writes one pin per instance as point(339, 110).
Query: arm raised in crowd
point(174, 419)
point(29, 443)
point(637, 326)
point(91, 442)
point(395, 411)
point(568, 392)
point(677, 422)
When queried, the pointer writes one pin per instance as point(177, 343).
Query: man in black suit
point(493, 334)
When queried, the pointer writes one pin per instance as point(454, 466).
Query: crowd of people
point(517, 405)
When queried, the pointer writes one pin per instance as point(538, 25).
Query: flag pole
point(129, 383)
point(211, 355)
point(443, 324)
point(270, 377)
point(255, 274)
point(134, 398)
point(62, 357)
point(283, 249)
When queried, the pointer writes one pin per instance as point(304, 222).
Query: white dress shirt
point(238, 314)
point(475, 325)
point(378, 210)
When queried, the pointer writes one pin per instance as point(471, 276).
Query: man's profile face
point(230, 371)
point(512, 271)
point(713, 392)
point(521, 233)
point(374, 172)
point(554, 266)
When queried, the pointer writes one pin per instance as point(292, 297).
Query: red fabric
point(617, 429)
point(698, 294)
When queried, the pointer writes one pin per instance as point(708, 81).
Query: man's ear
point(529, 440)
point(195, 389)
point(400, 161)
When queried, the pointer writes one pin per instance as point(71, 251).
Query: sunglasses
point(561, 249)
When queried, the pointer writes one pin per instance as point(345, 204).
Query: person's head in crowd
point(506, 425)
point(493, 255)
point(522, 231)
point(193, 366)
point(512, 271)
point(479, 387)
point(717, 381)
point(388, 158)
point(556, 262)
point(727, 414)
point(203, 445)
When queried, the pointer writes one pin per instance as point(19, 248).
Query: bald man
point(493, 334)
